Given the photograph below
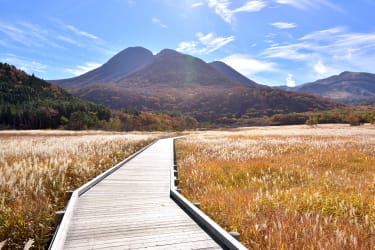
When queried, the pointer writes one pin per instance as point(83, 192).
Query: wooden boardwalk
point(130, 207)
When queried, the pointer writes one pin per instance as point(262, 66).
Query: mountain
point(232, 74)
point(179, 83)
point(119, 66)
point(172, 68)
point(347, 87)
point(27, 102)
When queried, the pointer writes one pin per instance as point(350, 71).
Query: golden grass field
point(292, 187)
point(38, 167)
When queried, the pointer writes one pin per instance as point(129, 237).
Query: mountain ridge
point(123, 63)
point(180, 83)
point(347, 87)
point(232, 74)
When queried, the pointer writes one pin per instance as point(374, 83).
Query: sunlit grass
point(287, 187)
point(37, 168)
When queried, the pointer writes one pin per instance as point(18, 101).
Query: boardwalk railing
point(214, 231)
point(212, 228)
point(58, 239)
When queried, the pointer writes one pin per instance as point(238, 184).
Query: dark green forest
point(28, 102)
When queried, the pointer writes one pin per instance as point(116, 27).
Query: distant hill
point(178, 83)
point(27, 102)
point(347, 87)
point(232, 74)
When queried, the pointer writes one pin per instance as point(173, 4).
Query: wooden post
point(176, 173)
point(197, 204)
point(68, 195)
point(176, 182)
point(235, 235)
point(58, 217)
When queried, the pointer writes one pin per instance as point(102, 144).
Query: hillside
point(118, 66)
point(232, 74)
point(27, 102)
point(179, 83)
point(347, 87)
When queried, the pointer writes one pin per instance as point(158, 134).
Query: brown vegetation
point(37, 168)
point(292, 187)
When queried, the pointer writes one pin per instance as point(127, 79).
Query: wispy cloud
point(26, 64)
point(337, 47)
point(197, 4)
point(68, 40)
point(204, 44)
point(158, 22)
point(222, 8)
point(79, 32)
point(27, 34)
point(81, 69)
point(247, 65)
point(284, 25)
point(309, 4)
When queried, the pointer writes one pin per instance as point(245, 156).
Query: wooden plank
point(131, 209)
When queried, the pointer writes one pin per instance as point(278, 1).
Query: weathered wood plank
point(132, 209)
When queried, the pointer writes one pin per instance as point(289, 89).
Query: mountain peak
point(130, 52)
point(177, 69)
point(168, 52)
point(119, 66)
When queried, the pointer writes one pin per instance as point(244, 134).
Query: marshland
point(287, 187)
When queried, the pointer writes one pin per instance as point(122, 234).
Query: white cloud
point(27, 34)
point(205, 44)
point(197, 4)
point(320, 68)
point(331, 43)
point(221, 8)
point(158, 22)
point(290, 81)
point(325, 35)
point(68, 40)
point(26, 64)
point(290, 51)
point(338, 48)
point(300, 4)
point(247, 65)
point(80, 32)
point(284, 25)
point(309, 4)
point(251, 6)
point(81, 69)
point(187, 46)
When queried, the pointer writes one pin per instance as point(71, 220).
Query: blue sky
point(273, 42)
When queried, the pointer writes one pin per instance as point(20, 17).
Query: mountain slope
point(179, 83)
point(119, 66)
point(347, 87)
point(175, 69)
point(29, 102)
point(232, 74)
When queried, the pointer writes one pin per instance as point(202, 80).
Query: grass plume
point(38, 167)
point(290, 187)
